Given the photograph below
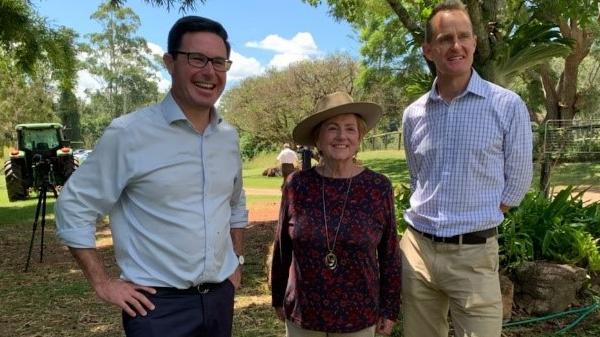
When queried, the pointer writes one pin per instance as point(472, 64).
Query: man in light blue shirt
point(468, 147)
point(169, 176)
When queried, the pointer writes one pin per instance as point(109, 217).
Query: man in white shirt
point(169, 176)
point(288, 158)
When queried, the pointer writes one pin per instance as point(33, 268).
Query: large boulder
point(272, 172)
point(543, 288)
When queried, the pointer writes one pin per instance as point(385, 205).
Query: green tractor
point(43, 158)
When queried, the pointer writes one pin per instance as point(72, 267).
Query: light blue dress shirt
point(466, 157)
point(172, 195)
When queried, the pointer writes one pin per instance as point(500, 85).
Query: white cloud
point(86, 81)
point(243, 67)
point(155, 49)
point(301, 47)
point(164, 80)
point(89, 82)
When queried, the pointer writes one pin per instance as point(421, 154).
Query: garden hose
point(583, 313)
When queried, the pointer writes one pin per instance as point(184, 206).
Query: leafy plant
point(402, 202)
point(560, 229)
point(516, 247)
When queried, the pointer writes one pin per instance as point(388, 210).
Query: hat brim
point(303, 132)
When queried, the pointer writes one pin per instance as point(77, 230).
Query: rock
point(545, 288)
point(272, 172)
point(507, 289)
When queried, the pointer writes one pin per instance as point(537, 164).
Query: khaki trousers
point(462, 278)
point(292, 330)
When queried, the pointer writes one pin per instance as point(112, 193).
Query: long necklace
point(331, 260)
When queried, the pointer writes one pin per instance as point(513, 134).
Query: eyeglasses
point(199, 60)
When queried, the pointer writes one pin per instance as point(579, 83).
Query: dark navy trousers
point(186, 313)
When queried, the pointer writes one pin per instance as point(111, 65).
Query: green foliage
point(401, 202)
point(23, 98)
point(250, 146)
point(569, 243)
point(269, 106)
point(558, 229)
point(68, 111)
point(120, 60)
point(529, 45)
point(31, 40)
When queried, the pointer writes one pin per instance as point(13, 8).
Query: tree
point(267, 107)
point(68, 111)
point(514, 38)
point(184, 5)
point(121, 60)
point(23, 98)
point(31, 40)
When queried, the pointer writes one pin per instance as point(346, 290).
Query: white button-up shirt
point(466, 157)
point(172, 195)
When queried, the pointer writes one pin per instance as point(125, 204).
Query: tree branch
point(411, 25)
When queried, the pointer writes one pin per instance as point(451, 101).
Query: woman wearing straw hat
point(336, 263)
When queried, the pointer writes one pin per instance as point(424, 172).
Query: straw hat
point(330, 106)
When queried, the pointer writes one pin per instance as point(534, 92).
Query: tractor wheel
point(71, 164)
point(14, 183)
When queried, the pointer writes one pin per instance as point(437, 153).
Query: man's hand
point(126, 295)
point(384, 326)
point(236, 278)
point(504, 208)
point(280, 314)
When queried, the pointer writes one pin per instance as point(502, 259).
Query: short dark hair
point(194, 23)
point(449, 5)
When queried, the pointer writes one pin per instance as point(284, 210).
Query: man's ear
point(169, 62)
point(426, 50)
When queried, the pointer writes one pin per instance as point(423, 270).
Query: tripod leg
point(34, 227)
point(45, 193)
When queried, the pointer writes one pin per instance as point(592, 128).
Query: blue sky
point(263, 33)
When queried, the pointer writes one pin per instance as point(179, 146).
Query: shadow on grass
point(395, 169)
point(21, 212)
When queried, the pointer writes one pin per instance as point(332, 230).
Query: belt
point(473, 238)
point(202, 288)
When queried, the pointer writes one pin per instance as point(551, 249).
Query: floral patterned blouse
point(365, 285)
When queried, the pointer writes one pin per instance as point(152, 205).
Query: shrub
point(559, 229)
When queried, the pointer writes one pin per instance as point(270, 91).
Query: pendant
point(331, 261)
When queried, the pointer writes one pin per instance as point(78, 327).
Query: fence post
point(399, 140)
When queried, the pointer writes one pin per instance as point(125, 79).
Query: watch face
point(241, 259)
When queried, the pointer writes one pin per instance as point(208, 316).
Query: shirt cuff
point(239, 220)
point(78, 237)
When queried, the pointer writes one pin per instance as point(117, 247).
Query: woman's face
point(339, 137)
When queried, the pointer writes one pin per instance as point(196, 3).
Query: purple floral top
point(366, 283)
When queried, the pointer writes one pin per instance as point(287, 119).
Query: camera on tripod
point(42, 161)
point(43, 172)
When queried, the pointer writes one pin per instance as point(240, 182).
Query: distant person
point(336, 261)
point(306, 156)
point(468, 145)
point(170, 177)
point(288, 160)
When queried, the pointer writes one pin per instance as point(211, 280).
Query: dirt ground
point(263, 211)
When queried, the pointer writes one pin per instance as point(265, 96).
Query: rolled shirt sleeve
point(92, 190)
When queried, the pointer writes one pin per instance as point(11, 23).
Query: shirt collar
point(476, 86)
point(172, 112)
